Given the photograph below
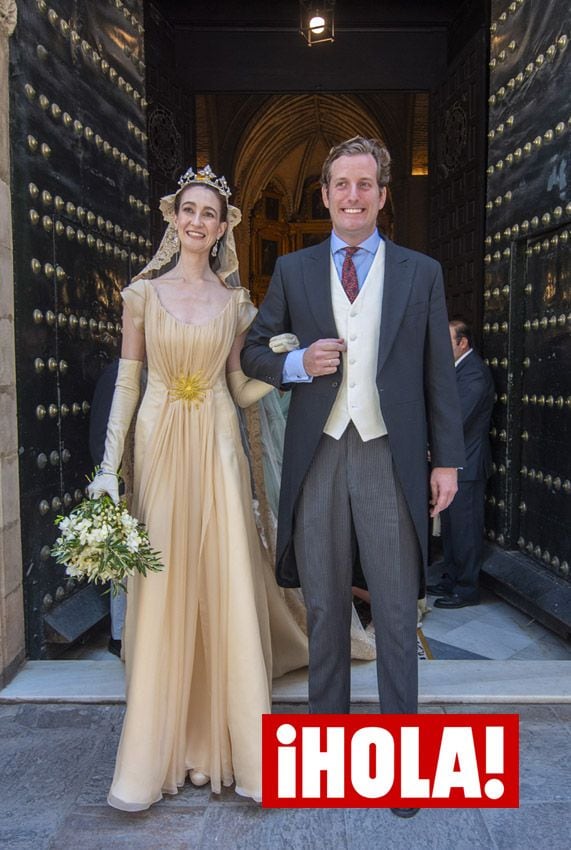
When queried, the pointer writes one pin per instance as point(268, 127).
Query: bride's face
point(199, 219)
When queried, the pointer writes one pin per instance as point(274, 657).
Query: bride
point(203, 636)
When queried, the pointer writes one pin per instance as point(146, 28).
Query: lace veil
point(225, 264)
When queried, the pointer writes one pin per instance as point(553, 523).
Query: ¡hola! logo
point(384, 760)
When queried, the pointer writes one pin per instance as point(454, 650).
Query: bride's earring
point(215, 248)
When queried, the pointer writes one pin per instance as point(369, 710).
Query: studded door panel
point(81, 226)
point(544, 502)
point(527, 296)
point(456, 189)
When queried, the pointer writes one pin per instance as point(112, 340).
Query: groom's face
point(354, 197)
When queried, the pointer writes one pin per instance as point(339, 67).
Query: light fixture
point(316, 23)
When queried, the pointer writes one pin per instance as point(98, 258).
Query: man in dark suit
point(463, 522)
point(100, 409)
point(99, 414)
point(373, 378)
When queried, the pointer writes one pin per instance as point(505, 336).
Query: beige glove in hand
point(246, 391)
point(284, 343)
point(125, 398)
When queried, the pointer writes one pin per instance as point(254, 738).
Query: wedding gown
point(199, 647)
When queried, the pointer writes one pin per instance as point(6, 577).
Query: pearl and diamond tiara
point(205, 176)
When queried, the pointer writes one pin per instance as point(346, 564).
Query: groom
point(373, 386)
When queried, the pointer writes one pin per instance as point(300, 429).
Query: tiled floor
point(494, 630)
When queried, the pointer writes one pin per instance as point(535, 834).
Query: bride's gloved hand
point(284, 343)
point(104, 482)
point(246, 391)
point(125, 398)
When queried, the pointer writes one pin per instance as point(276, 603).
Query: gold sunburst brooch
point(190, 388)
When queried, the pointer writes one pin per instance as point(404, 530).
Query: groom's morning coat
point(415, 376)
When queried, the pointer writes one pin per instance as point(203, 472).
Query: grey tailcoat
point(415, 377)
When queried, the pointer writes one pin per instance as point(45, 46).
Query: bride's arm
point(133, 346)
point(245, 391)
point(233, 362)
point(125, 398)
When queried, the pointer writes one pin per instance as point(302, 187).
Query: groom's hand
point(323, 357)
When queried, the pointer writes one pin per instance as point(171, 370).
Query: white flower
point(129, 522)
point(98, 535)
point(133, 541)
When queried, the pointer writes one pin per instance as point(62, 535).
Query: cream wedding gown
point(200, 652)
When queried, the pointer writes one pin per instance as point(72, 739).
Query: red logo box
point(390, 760)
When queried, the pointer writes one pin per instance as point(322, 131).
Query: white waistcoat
point(359, 325)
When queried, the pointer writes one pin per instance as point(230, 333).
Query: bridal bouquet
point(101, 542)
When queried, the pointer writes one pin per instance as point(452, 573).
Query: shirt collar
point(370, 244)
point(464, 356)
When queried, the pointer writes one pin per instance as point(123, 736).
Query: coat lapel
point(317, 282)
point(399, 273)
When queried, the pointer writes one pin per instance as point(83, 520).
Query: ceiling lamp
point(316, 23)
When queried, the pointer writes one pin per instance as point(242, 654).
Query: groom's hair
point(360, 145)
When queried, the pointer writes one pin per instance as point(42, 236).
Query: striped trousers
point(352, 505)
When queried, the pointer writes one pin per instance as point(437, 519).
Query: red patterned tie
point(349, 275)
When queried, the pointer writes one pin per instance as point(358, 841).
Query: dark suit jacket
point(100, 410)
point(415, 376)
point(476, 392)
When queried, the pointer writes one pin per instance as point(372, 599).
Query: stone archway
point(287, 141)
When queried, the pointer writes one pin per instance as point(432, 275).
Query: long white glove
point(246, 391)
point(125, 398)
point(284, 343)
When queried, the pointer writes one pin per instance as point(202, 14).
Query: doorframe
point(12, 631)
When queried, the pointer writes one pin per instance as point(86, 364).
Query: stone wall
point(12, 643)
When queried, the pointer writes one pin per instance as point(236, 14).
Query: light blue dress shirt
point(294, 371)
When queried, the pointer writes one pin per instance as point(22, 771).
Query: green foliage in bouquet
point(101, 542)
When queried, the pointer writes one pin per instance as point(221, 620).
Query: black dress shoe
point(405, 813)
point(453, 600)
point(114, 646)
